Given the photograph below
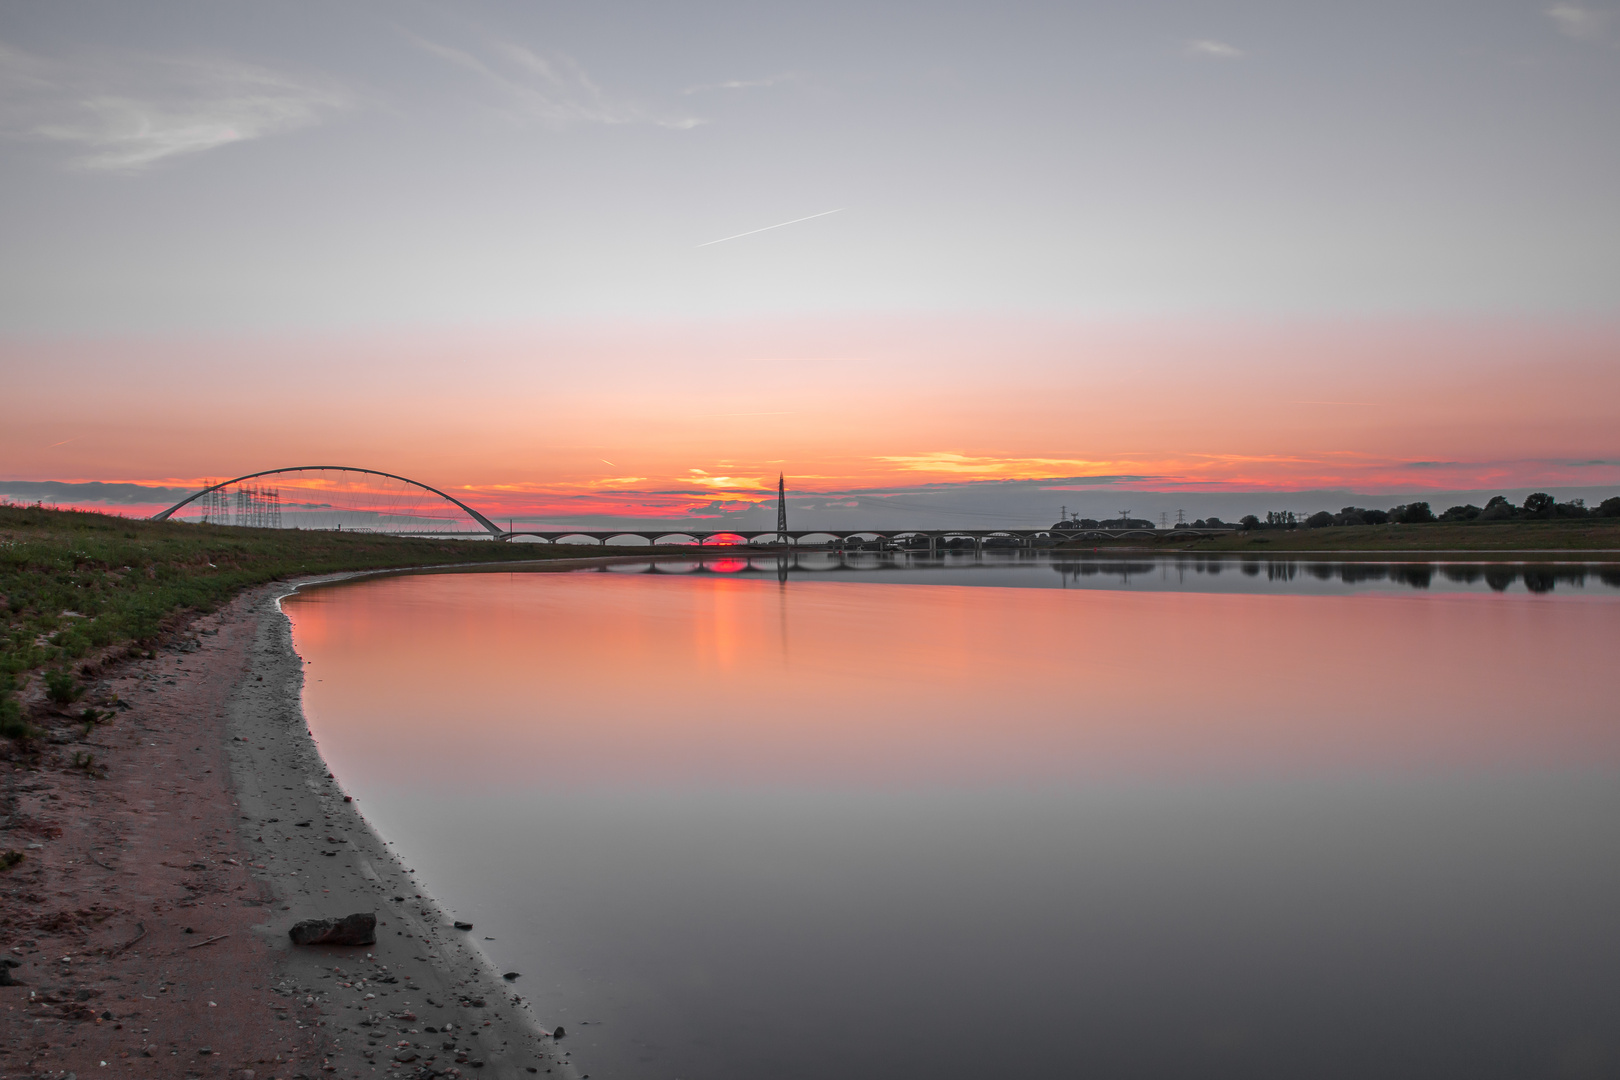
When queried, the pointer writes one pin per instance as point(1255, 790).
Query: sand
point(149, 916)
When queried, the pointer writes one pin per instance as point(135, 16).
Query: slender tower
point(781, 510)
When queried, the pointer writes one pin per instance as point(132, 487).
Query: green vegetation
point(73, 585)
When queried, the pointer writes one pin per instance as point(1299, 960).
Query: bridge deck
point(1024, 537)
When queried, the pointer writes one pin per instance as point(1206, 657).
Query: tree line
point(1537, 507)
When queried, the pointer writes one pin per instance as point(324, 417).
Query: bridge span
point(915, 539)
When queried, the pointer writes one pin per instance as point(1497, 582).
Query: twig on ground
point(208, 941)
point(139, 926)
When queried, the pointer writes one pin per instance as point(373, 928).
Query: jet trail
point(768, 228)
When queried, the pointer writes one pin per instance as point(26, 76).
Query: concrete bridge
point(932, 540)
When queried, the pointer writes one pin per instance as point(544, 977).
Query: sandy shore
point(147, 922)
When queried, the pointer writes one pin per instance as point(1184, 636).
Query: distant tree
point(1461, 513)
point(1539, 505)
point(1200, 524)
point(1319, 520)
point(1413, 513)
point(1249, 521)
point(1575, 508)
point(1375, 517)
point(1280, 519)
point(1215, 523)
point(1609, 507)
point(1499, 509)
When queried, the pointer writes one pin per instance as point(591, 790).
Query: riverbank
point(1597, 537)
point(165, 853)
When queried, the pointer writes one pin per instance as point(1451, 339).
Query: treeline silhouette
point(1537, 579)
point(1537, 507)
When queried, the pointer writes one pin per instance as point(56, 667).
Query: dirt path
point(167, 851)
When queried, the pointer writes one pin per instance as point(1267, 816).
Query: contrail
point(768, 228)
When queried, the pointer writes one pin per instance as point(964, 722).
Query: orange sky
point(658, 418)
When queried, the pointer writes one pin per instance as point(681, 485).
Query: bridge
point(905, 538)
point(369, 500)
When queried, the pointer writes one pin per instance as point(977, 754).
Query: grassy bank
point(74, 586)
point(1594, 535)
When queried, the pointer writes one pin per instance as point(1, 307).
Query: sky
point(593, 261)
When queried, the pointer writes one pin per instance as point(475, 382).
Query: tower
point(781, 509)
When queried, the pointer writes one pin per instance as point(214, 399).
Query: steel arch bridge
point(493, 529)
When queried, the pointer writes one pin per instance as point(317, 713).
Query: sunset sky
point(1038, 254)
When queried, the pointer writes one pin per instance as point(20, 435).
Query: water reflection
point(754, 817)
point(1176, 572)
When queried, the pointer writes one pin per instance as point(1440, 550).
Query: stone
point(357, 929)
point(463, 926)
point(511, 975)
point(559, 1033)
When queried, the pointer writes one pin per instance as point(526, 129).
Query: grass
point(1598, 537)
point(74, 584)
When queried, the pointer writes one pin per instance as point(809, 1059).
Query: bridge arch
point(494, 530)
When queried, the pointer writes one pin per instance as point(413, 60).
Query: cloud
point(126, 112)
point(554, 91)
point(1210, 47)
point(92, 491)
point(954, 464)
point(740, 84)
point(1577, 21)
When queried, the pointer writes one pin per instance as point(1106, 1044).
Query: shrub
point(62, 688)
point(12, 725)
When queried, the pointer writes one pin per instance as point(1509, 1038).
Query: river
point(1012, 815)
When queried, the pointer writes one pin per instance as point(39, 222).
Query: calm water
point(1023, 817)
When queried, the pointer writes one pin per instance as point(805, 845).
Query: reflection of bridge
point(932, 540)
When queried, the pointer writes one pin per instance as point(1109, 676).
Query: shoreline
point(424, 982)
point(145, 927)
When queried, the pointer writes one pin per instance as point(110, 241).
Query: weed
point(12, 725)
point(8, 859)
point(62, 688)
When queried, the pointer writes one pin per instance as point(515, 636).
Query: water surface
point(1043, 817)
